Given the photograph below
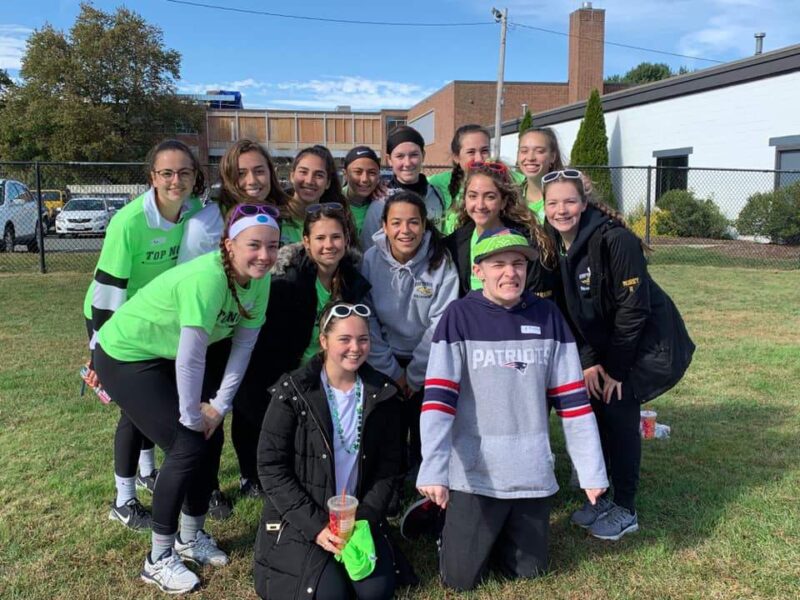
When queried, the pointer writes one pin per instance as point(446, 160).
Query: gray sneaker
point(614, 524)
point(589, 513)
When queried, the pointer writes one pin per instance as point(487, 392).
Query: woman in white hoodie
point(413, 280)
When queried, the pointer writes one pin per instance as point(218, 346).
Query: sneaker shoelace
point(173, 568)
point(617, 515)
point(137, 508)
point(205, 543)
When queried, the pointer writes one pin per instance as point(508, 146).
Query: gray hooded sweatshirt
point(406, 302)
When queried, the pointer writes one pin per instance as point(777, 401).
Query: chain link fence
point(53, 216)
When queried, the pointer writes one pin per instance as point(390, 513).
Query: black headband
point(404, 134)
point(361, 152)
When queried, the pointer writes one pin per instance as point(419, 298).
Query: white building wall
point(726, 128)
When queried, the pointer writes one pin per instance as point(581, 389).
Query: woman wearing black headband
point(405, 153)
point(362, 173)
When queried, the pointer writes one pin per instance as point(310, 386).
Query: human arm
point(111, 276)
point(201, 233)
point(244, 339)
point(566, 393)
point(381, 356)
point(275, 461)
point(444, 295)
point(631, 296)
point(190, 367)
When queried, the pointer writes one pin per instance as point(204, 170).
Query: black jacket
point(291, 314)
point(297, 470)
point(621, 318)
point(541, 281)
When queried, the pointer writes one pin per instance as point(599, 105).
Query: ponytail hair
point(227, 266)
point(514, 210)
point(437, 251)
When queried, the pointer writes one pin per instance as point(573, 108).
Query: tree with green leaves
point(646, 72)
point(526, 123)
point(103, 91)
point(591, 149)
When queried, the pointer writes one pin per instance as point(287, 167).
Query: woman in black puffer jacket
point(335, 424)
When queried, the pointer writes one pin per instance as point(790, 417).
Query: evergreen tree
point(591, 149)
point(526, 123)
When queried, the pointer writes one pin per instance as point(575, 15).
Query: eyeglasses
point(168, 174)
point(325, 209)
point(566, 174)
point(248, 210)
point(342, 311)
point(496, 166)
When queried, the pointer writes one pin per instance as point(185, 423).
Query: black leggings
point(128, 441)
point(618, 422)
point(147, 394)
point(335, 584)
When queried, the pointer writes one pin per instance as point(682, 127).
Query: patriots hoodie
point(407, 301)
point(491, 374)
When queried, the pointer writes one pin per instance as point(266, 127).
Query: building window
point(426, 125)
point(393, 123)
point(671, 170)
point(787, 160)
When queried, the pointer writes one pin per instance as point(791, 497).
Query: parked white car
point(19, 216)
point(85, 216)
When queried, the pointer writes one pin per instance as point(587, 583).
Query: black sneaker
point(250, 488)
point(219, 507)
point(423, 518)
point(147, 484)
point(131, 514)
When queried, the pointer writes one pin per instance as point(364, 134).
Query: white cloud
point(358, 92)
point(186, 87)
point(12, 45)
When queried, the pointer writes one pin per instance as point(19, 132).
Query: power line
point(323, 19)
point(613, 43)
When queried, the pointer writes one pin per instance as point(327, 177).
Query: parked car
point(19, 216)
point(86, 216)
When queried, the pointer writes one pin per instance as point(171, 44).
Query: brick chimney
point(587, 32)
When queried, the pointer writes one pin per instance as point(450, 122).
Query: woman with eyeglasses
point(247, 177)
point(306, 276)
point(314, 181)
point(632, 340)
point(413, 280)
point(492, 201)
point(151, 357)
point(405, 153)
point(142, 241)
point(334, 426)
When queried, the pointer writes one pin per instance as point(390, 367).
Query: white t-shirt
point(202, 233)
point(346, 463)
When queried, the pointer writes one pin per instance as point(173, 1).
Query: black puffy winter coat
point(621, 318)
point(297, 470)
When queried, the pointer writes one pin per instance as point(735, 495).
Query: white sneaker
point(169, 574)
point(202, 550)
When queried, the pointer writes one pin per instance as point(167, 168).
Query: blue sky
point(284, 63)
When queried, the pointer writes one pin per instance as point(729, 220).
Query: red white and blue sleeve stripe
point(441, 395)
point(570, 399)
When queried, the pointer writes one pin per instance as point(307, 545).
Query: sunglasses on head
point(342, 311)
point(565, 174)
point(496, 166)
point(249, 210)
point(325, 208)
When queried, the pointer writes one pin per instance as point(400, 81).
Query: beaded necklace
point(337, 422)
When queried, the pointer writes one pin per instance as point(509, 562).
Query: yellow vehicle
point(52, 202)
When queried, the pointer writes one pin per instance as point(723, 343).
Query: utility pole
point(502, 18)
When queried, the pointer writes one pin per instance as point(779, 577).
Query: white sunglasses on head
point(342, 311)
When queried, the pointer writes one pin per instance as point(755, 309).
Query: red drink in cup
point(342, 515)
point(648, 424)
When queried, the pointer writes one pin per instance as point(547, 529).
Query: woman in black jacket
point(305, 278)
point(492, 201)
point(633, 343)
point(333, 426)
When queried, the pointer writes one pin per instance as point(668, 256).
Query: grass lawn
point(718, 507)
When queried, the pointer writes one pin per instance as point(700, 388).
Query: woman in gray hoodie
point(413, 280)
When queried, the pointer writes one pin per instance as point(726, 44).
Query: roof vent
point(587, 5)
point(759, 42)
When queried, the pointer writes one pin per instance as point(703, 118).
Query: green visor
point(502, 240)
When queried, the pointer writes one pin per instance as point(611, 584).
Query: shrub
point(591, 149)
point(637, 221)
point(688, 216)
point(775, 215)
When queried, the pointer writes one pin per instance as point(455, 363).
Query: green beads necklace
point(337, 421)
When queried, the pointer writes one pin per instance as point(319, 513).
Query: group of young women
point(310, 315)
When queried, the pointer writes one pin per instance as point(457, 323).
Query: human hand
point(610, 385)
point(593, 494)
point(91, 378)
point(330, 542)
point(593, 377)
point(402, 385)
point(211, 419)
point(380, 190)
point(438, 494)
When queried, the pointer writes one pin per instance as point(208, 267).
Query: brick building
point(460, 102)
